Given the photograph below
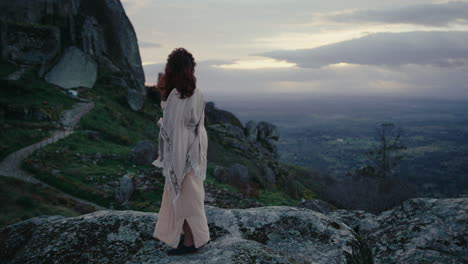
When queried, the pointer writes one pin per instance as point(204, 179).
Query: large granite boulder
point(135, 99)
point(74, 69)
point(421, 230)
point(39, 30)
point(28, 44)
point(275, 234)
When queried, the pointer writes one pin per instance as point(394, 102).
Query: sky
point(305, 47)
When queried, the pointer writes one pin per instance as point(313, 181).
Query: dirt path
point(11, 165)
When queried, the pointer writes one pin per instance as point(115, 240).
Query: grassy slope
point(28, 94)
point(72, 164)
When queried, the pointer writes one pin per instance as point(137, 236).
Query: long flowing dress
point(188, 204)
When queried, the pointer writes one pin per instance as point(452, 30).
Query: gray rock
point(135, 99)
point(74, 69)
point(143, 153)
point(267, 130)
point(125, 189)
point(236, 175)
point(275, 234)
point(29, 44)
point(421, 230)
point(99, 28)
point(251, 130)
point(318, 206)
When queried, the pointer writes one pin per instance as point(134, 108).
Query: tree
point(385, 156)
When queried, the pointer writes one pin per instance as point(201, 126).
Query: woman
point(183, 144)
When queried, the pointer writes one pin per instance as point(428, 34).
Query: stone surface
point(135, 99)
point(28, 44)
point(236, 175)
point(74, 69)
point(251, 130)
point(99, 28)
point(218, 116)
point(125, 189)
point(273, 234)
point(421, 230)
point(143, 153)
point(318, 206)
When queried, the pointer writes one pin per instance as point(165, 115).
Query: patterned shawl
point(182, 140)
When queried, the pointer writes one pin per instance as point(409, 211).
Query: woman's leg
point(188, 236)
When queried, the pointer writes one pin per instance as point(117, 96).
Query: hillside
point(57, 55)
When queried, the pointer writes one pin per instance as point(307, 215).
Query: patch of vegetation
point(6, 69)
point(21, 200)
point(28, 108)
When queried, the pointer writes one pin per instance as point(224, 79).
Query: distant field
point(331, 135)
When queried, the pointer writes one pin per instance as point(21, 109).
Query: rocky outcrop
point(236, 175)
point(125, 189)
point(421, 230)
point(264, 132)
point(39, 33)
point(218, 116)
point(259, 235)
point(143, 153)
point(74, 69)
point(318, 206)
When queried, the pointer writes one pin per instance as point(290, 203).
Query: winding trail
point(10, 166)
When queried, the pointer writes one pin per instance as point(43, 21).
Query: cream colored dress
point(189, 204)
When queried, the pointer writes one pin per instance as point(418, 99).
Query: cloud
point(145, 44)
point(367, 80)
point(436, 48)
point(133, 6)
point(440, 15)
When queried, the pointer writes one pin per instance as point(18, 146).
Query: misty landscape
point(331, 134)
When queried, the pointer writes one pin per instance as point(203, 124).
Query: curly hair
point(179, 74)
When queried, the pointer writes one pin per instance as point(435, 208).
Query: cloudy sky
point(294, 47)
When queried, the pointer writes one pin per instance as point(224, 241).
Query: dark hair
point(179, 74)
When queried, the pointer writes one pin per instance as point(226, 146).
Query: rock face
point(318, 206)
point(419, 231)
point(38, 32)
point(143, 153)
point(125, 189)
point(74, 69)
point(218, 116)
point(260, 235)
point(236, 175)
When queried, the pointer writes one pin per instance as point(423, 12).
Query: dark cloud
point(392, 49)
point(145, 44)
point(423, 14)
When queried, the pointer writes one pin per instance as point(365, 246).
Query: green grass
point(18, 102)
point(275, 198)
point(15, 138)
point(21, 200)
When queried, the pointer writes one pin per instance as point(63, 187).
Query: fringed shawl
point(182, 140)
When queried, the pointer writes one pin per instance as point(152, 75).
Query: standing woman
point(182, 151)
